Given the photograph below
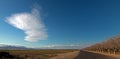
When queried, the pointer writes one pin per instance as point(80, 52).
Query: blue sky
point(69, 23)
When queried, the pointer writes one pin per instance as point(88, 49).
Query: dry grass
point(38, 54)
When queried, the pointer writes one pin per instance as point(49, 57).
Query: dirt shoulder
point(69, 55)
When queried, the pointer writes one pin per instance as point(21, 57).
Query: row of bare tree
point(111, 46)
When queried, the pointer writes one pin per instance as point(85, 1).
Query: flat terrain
point(54, 54)
point(82, 55)
point(34, 54)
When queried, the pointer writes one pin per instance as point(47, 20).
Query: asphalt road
point(82, 55)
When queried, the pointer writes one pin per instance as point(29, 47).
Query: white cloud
point(30, 23)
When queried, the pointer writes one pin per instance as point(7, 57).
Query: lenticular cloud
point(30, 23)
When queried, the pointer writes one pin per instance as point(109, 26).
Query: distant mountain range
point(11, 47)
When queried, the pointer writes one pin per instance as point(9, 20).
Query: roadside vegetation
point(32, 54)
point(111, 46)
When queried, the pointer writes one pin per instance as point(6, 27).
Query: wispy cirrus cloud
point(65, 46)
point(30, 23)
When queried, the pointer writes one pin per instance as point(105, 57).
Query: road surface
point(82, 55)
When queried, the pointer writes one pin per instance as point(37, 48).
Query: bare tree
point(112, 45)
